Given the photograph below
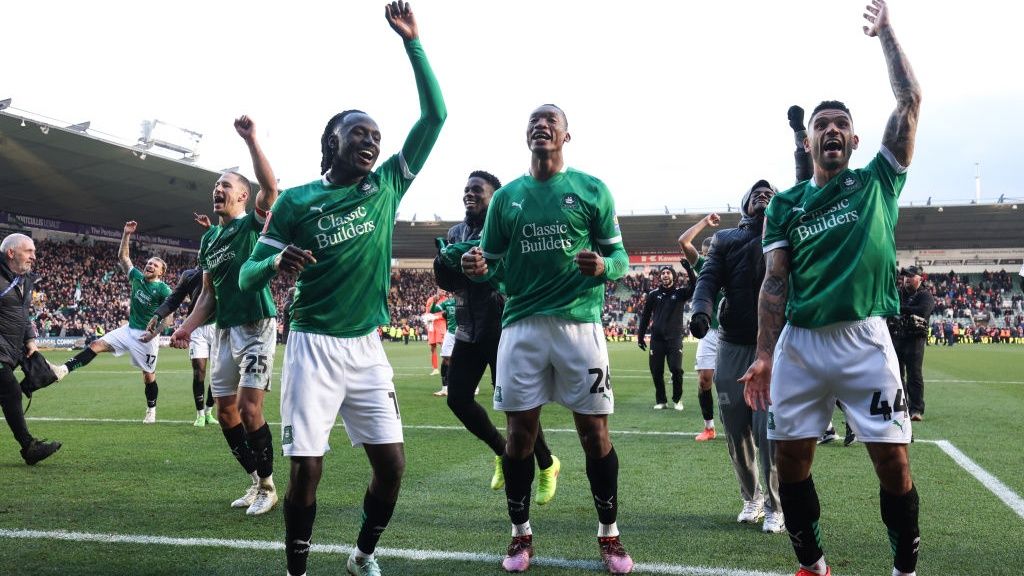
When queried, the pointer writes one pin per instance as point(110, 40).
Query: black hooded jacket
point(478, 306)
point(15, 326)
point(734, 263)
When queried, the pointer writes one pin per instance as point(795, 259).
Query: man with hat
point(665, 305)
point(909, 338)
point(735, 265)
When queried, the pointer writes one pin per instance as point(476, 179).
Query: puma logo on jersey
point(318, 209)
point(517, 205)
point(798, 209)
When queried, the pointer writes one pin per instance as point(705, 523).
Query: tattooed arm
point(902, 126)
point(771, 317)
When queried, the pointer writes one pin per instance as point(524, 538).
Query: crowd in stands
point(82, 292)
point(980, 308)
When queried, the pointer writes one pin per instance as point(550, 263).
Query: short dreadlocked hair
point(486, 176)
point(326, 152)
point(831, 105)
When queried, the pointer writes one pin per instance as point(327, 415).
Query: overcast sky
point(677, 104)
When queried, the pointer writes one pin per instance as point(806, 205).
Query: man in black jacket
point(735, 264)
point(18, 339)
point(916, 305)
point(665, 305)
point(478, 309)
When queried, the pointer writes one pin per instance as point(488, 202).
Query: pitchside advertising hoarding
point(643, 259)
point(19, 222)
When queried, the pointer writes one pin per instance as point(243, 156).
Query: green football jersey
point(841, 239)
point(146, 298)
point(718, 297)
point(536, 229)
point(448, 307)
point(348, 229)
point(222, 251)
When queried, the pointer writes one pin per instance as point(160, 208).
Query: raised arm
point(771, 317)
point(267, 195)
point(424, 133)
point(801, 157)
point(901, 129)
point(123, 257)
point(687, 237)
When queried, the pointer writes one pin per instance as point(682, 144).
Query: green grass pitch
point(678, 499)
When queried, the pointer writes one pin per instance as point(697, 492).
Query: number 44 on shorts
point(881, 407)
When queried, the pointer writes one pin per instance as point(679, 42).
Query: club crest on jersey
point(367, 188)
point(849, 182)
point(570, 202)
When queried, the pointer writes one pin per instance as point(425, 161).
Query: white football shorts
point(243, 356)
point(852, 362)
point(448, 345)
point(707, 351)
point(324, 376)
point(201, 341)
point(143, 354)
point(544, 359)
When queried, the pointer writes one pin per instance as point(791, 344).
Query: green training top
point(842, 244)
point(348, 229)
point(536, 229)
point(222, 251)
point(448, 308)
point(146, 298)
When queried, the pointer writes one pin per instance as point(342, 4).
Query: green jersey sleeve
point(424, 133)
point(608, 236)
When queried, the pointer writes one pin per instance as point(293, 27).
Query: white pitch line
point(384, 553)
point(340, 425)
point(994, 485)
point(642, 375)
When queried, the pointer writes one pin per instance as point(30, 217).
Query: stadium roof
point(69, 174)
point(62, 173)
point(919, 228)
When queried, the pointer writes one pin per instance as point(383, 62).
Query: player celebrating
point(190, 285)
point(707, 347)
point(831, 261)
point(335, 233)
point(148, 292)
point(436, 329)
point(445, 306)
point(542, 227)
point(246, 332)
point(479, 308)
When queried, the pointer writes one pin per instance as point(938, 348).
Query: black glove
point(700, 323)
point(796, 118)
point(641, 343)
